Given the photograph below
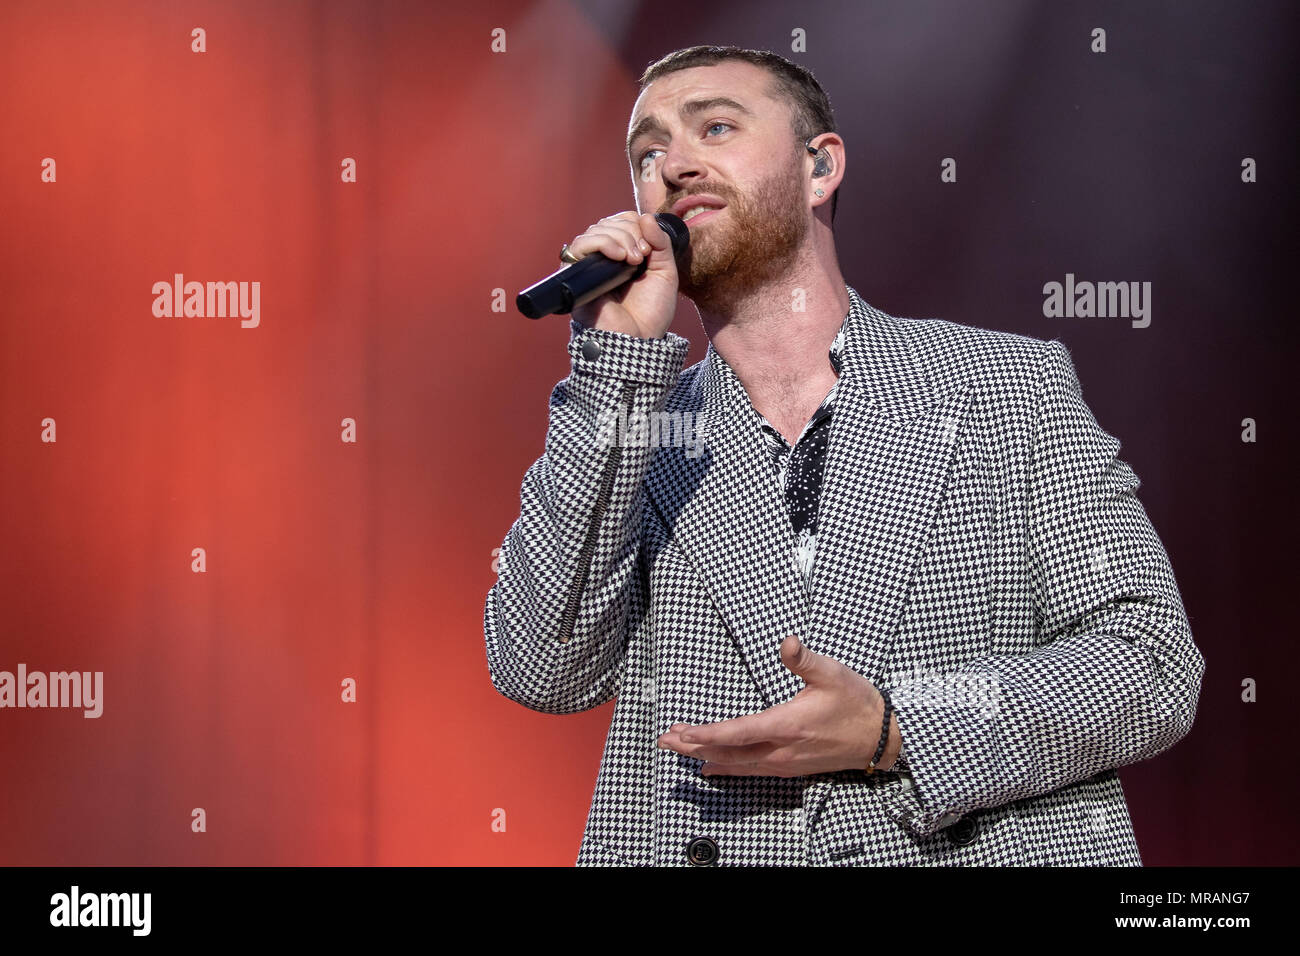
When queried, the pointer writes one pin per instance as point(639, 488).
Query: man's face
point(742, 155)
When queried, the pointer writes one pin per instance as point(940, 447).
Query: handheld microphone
point(593, 275)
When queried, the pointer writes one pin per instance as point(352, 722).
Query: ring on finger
point(566, 255)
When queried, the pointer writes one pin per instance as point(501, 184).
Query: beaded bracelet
point(884, 733)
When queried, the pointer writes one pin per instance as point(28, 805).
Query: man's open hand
point(832, 724)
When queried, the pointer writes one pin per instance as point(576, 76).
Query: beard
point(750, 243)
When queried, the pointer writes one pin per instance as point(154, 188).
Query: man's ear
point(827, 167)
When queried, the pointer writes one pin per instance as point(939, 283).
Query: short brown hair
point(811, 108)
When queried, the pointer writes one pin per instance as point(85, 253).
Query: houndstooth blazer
point(982, 555)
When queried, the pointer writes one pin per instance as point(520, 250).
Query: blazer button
point(591, 349)
point(702, 851)
point(964, 831)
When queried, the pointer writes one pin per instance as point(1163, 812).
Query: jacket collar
point(870, 352)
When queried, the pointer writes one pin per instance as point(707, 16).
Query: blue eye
point(709, 127)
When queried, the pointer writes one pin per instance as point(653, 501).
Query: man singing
point(901, 606)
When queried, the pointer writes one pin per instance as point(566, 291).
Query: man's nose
point(681, 164)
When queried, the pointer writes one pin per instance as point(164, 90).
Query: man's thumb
point(797, 658)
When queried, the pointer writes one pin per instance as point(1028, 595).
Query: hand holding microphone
point(626, 280)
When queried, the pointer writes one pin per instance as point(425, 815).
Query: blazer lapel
point(891, 447)
point(887, 465)
point(726, 511)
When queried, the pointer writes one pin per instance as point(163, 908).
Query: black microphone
point(593, 275)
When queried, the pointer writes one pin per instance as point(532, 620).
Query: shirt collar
point(721, 383)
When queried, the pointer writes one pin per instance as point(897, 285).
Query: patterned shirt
point(800, 467)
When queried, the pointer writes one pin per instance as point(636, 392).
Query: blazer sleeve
point(555, 620)
point(1115, 677)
